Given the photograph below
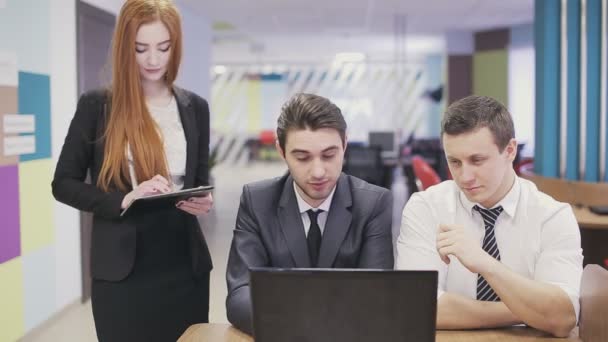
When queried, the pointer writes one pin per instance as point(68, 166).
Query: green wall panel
point(490, 74)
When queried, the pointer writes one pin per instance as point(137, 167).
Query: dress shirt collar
point(304, 207)
point(508, 203)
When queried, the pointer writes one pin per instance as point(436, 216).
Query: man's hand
point(454, 240)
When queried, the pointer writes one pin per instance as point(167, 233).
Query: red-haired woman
point(142, 136)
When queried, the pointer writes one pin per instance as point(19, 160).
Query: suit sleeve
point(377, 250)
point(76, 158)
point(247, 250)
point(202, 173)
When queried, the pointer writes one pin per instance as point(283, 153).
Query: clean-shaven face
point(483, 173)
point(152, 50)
point(314, 159)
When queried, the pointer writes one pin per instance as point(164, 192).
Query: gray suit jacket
point(269, 233)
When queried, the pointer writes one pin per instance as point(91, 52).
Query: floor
point(75, 323)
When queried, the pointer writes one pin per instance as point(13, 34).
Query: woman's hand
point(196, 205)
point(154, 186)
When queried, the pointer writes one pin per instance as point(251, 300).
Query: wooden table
point(594, 235)
point(588, 220)
point(218, 332)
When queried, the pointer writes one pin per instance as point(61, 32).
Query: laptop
point(354, 305)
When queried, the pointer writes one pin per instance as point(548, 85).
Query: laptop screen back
point(343, 305)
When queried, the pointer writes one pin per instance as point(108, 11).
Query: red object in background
point(267, 137)
point(425, 173)
point(606, 263)
point(525, 164)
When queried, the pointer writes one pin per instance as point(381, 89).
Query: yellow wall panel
point(12, 324)
point(36, 204)
point(254, 105)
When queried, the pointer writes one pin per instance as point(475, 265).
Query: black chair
point(364, 162)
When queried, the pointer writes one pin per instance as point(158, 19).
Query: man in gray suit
point(314, 216)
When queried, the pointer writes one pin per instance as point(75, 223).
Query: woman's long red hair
point(129, 122)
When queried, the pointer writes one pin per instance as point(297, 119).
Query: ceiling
point(363, 16)
point(259, 24)
point(290, 30)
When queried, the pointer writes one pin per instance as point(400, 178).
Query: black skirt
point(161, 297)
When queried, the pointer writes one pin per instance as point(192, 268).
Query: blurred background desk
point(594, 235)
point(581, 195)
point(226, 333)
point(588, 220)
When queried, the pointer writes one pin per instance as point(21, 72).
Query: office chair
point(593, 318)
point(267, 138)
point(425, 175)
point(365, 163)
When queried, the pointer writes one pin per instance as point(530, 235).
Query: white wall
point(112, 6)
point(64, 91)
point(522, 85)
point(194, 72)
point(63, 102)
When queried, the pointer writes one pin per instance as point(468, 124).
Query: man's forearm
point(543, 306)
point(458, 312)
point(238, 309)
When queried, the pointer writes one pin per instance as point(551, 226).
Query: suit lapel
point(291, 225)
point(337, 224)
point(187, 116)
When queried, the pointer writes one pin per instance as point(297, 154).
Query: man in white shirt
point(506, 253)
point(313, 216)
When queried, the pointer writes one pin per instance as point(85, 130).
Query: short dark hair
point(309, 111)
point(474, 112)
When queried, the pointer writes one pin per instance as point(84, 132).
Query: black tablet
point(166, 199)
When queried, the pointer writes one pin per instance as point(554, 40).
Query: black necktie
point(314, 237)
point(484, 290)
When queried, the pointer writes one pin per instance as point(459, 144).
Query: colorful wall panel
point(571, 89)
point(11, 296)
point(490, 75)
point(27, 261)
point(490, 64)
point(10, 235)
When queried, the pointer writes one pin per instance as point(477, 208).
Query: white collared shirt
point(304, 207)
point(537, 236)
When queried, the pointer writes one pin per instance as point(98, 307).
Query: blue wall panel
point(573, 89)
point(592, 139)
point(35, 98)
point(604, 41)
point(547, 125)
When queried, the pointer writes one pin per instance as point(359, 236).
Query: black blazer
point(113, 237)
point(269, 233)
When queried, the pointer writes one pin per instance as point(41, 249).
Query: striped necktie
point(484, 290)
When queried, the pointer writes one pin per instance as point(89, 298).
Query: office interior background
point(391, 66)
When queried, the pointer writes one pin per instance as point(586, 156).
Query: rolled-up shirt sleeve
point(417, 242)
point(560, 261)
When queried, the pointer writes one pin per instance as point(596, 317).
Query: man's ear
point(279, 149)
point(345, 142)
point(511, 149)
